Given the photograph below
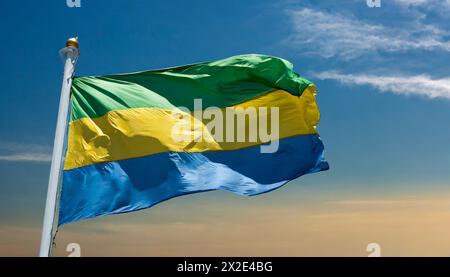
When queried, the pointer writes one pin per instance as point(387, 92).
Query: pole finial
point(72, 42)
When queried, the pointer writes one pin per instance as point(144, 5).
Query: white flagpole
point(70, 54)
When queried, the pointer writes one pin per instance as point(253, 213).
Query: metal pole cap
point(72, 42)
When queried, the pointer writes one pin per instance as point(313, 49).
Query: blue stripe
point(134, 184)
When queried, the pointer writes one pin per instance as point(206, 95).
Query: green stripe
point(220, 83)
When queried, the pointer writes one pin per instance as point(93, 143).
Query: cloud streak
point(16, 152)
point(435, 4)
point(26, 157)
point(336, 35)
point(405, 85)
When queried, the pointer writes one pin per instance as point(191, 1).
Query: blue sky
point(382, 74)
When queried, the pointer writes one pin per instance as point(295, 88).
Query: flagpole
point(70, 54)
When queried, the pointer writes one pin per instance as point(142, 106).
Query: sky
point(384, 95)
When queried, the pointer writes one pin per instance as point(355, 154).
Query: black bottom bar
point(208, 266)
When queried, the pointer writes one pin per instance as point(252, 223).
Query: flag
point(245, 124)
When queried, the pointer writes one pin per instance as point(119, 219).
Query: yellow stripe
point(132, 133)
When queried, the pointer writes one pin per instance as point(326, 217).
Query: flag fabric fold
point(138, 139)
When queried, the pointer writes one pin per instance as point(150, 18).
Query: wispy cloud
point(432, 4)
point(406, 85)
point(26, 157)
point(413, 2)
point(16, 152)
point(337, 35)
